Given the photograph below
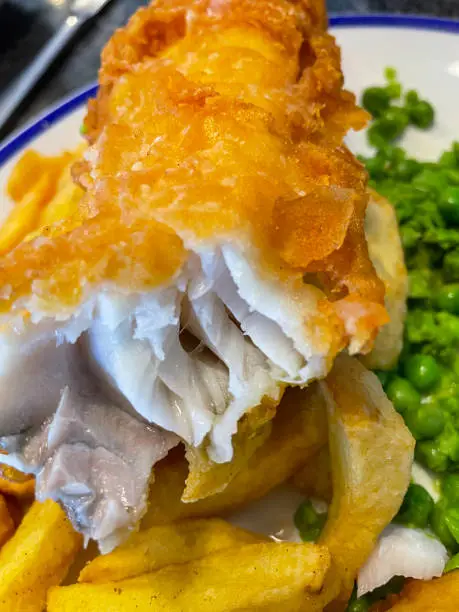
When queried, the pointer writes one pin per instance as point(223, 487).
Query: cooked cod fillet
point(217, 256)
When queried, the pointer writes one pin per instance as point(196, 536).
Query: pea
point(422, 114)
point(416, 507)
point(426, 422)
point(440, 527)
point(453, 176)
point(429, 453)
point(406, 169)
point(448, 298)
point(452, 564)
point(452, 521)
point(450, 489)
point(411, 97)
point(394, 122)
point(451, 265)
point(422, 371)
point(309, 522)
point(359, 605)
point(383, 377)
point(375, 100)
point(375, 166)
point(449, 204)
point(403, 395)
point(410, 237)
point(447, 159)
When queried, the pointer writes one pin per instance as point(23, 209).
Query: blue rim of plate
point(20, 139)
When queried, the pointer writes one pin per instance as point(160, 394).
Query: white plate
point(425, 53)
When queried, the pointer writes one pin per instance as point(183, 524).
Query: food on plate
point(217, 256)
point(371, 453)
point(6, 521)
point(425, 596)
point(163, 545)
point(299, 429)
point(422, 385)
point(386, 252)
point(36, 558)
point(250, 576)
point(13, 482)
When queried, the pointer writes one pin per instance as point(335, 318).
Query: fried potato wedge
point(36, 557)
point(164, 545)
point(437, 595)
point(299, 430)
point(386, 253)
point(7, 525)
point(206, 477)
point(234, 579)
point(314, 479)
point(371, 455)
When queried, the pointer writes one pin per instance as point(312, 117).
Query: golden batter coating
point(217, 121)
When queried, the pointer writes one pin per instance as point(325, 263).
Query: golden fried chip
point(37, 557)
point(160, 546)
point(314, 479)
point(386, 253)
point(371, 455)
point(233, 579)
point(206, 477)
point(299, 430)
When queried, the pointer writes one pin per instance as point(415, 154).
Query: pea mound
point(424, 387)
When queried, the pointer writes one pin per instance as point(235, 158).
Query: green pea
point(449, 204)
point(422, 114)
point(375, 166)
point(452, 564)
point(375, 100)
point(393, 122)
point(375, 137)
point(453, 176)
point(440, 527)
point(411, 97)
point(416, 507)
point(422, 371)
point(359, 605)
point(451, 265)
point(406, 169)
point(403, 395)
point(429, 453)
point(309, 522)
point(410, 237)
point(450, 489)
point(448, 298)
point(384, 377)
point(426, 422)
point(452, 522)
point(447, 159)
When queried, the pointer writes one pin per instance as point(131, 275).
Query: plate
point(425, 53)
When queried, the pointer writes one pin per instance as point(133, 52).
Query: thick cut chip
point(299, 430)
point(207, 478)
point(371, 455)
point(234, 579)
point(160, 546)
point(314, 479)
point(386, 253)
point(36, 558)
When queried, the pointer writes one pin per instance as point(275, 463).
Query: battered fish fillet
point(217, 256)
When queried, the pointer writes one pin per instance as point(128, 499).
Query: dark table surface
point(25, 25)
